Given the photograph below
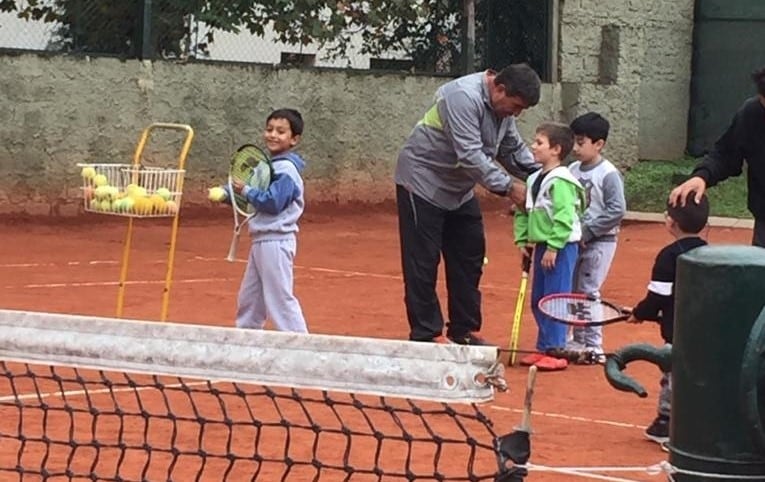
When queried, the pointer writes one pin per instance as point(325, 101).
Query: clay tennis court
point(348, 281)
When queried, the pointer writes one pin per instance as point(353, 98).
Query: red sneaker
point(531, 359)
point(550, 364)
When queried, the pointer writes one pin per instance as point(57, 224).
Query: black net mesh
point(61, 423)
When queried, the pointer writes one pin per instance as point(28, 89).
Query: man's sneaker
point(658, 431)
point(440, 339)
point(472, 338)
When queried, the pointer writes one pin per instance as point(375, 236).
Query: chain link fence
point(507, 31)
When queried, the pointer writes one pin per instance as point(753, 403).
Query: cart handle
point(165, 125)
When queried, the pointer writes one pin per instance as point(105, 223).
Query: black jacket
point(743, 141)
point(659, 302)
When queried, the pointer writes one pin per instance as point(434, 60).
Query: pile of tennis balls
point(102, 197)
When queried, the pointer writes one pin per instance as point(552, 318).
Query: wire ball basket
point(131, 190)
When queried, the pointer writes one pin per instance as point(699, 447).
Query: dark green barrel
point(715, 425)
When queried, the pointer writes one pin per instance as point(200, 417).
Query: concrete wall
point(58, 111)
point(631, 62)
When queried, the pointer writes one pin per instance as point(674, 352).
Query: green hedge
point(648, 183)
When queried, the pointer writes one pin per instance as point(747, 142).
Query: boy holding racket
point(550, 224)
point(267, 285)
point(605, 208)
point(684, 223)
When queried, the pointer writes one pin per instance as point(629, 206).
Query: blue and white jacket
point(280, 206)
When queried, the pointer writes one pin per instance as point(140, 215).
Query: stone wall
point(58, 111)
point(630, 62)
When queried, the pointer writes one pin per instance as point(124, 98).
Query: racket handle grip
point(232, 249)
point(526, 266)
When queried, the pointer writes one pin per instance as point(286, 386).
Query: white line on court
point(317, 269)
point(74, 393)
point(87, 284)
point(571, 417)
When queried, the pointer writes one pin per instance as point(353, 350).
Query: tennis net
point(86, 398)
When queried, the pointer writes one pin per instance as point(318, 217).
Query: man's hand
point(679, 195)
point(517, 193)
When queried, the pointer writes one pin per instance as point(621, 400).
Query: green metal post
point(147, 52)
point(720, 291)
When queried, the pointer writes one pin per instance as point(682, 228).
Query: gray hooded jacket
point(454, 146)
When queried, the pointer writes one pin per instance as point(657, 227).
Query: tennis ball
point(101, 192)
point(105, 205)
point(485, 260)
point(164, 192)
point(130, 189)
point(93, 205)
point(88, 172)
point(112, 192)
point(158, 203)
point(117, 205)
point(216, 194)
point(172, 206)
point(142, 206)
point(127, 204)
point(100, 180)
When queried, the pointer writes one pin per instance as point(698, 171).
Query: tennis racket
point(519, 304)
point(252, 166)
point(578, 309)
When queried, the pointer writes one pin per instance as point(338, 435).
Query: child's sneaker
point(658, 431)
point(551, 364)
point(591, 357)
point(531, 359)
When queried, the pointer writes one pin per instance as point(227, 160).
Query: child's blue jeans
point(552, 334)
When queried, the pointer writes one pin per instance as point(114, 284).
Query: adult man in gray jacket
point(454, 147)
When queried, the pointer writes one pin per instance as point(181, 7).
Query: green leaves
point(406, 25)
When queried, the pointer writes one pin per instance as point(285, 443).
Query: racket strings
point(578, 310)
point(252, 166)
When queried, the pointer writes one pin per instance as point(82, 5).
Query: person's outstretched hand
point(679, 195)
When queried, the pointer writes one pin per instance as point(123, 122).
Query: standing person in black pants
point(454, 147)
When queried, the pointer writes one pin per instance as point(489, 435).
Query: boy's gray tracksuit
point(267, 285)
point(604, 191)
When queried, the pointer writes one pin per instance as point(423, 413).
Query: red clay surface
point(348, 281)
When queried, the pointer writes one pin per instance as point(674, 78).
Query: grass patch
point(648, 183)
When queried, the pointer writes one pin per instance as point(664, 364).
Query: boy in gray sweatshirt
point(267, 286)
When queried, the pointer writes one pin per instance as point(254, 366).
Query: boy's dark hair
point(692, 217)
point(758, 76)
point(290, 115)
point(559, 135)
point(520, 80)
point(591, 125)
